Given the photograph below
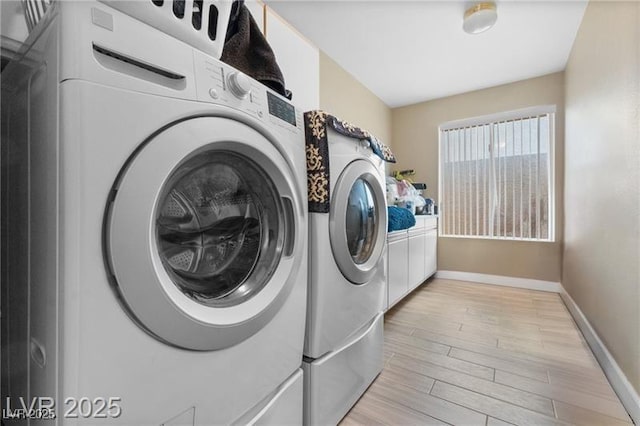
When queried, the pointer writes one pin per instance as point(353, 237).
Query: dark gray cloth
point(247, 50)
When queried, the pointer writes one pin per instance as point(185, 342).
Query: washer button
point(213, 93)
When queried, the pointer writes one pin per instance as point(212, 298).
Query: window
point(496, 176)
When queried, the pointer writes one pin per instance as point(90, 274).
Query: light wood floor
point(474, 354)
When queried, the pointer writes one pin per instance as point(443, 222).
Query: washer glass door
point(219, 231)
point(361, 222)
point(205, 232)
point(358, 221)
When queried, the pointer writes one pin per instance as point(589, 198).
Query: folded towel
point(247, 50)
point(399, 218)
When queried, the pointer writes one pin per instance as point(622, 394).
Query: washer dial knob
point(239, 84)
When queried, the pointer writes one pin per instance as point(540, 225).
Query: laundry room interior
point(288, 212)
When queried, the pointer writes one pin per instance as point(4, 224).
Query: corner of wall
point(343, 95)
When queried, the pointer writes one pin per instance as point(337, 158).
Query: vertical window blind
point(496, 177)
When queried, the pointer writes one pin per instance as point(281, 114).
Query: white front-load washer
point(158, 231)
point(344, 333)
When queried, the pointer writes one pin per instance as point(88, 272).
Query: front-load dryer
point(158, 231)
point(347, 283)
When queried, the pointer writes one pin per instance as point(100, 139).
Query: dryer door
point(203, 233)
point(358, 221)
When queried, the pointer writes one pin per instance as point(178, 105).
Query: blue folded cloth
point(399, 218)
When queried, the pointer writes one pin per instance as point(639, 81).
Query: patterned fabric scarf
point(317, 148)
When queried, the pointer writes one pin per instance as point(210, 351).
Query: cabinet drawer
point(431, 222)
point(397, 235)
point(420, 223)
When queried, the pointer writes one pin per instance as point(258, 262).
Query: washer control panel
point(217, 82)
point(281, 109)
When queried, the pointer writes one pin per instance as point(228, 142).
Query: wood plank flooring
point(474, 354)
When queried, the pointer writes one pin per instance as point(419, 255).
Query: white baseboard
point(623, 388)
point(527, 283)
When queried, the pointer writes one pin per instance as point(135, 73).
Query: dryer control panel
point(217, 82)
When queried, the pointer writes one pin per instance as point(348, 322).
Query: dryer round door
point(358, 221)
point(203, 233)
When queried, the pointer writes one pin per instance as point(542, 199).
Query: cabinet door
point(13, 27)
point(416, 259)
point(431, 252)
point(385, 256)
point(298, 59)
point(256, 8)
point(397, 277)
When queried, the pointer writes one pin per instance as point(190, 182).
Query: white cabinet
point(13, 27)
point(398, 270)
point(256, 8)
point(431, 251)
point(299, 61)
point(417, 248)
point(411, 257)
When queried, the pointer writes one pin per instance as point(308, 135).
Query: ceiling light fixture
point(480, 17)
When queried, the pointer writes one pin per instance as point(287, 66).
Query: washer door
point(202, 233)
point(357, 221)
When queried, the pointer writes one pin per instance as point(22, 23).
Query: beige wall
point(415, 143)
point(602, 201)
point(346, 98)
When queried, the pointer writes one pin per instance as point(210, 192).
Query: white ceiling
point(411, 51)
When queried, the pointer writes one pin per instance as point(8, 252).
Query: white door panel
point(398, 277)
point(256, 8)
point(298, 59)
point(431, 252)
point(416, 259)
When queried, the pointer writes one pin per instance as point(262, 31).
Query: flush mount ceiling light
point(480, 17)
